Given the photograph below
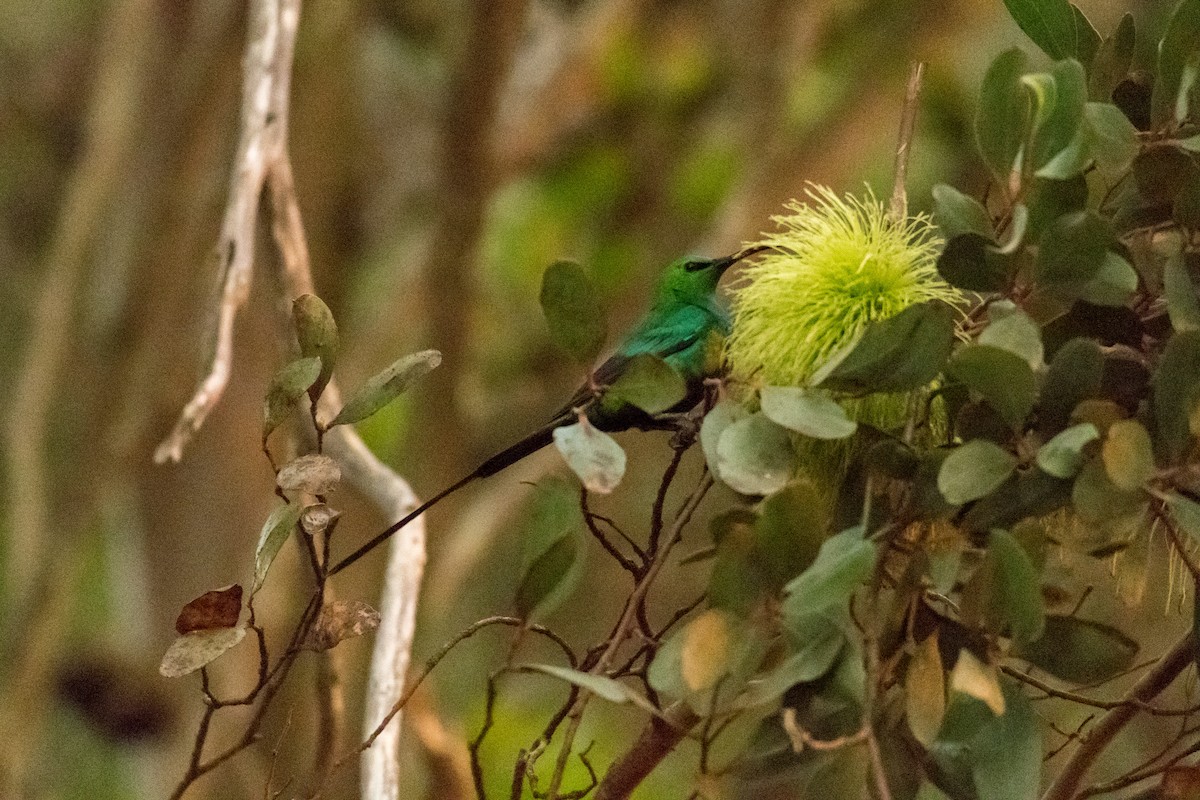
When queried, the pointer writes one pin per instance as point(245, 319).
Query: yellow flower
point(837, 265)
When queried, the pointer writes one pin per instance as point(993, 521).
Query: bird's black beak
point(723, 264)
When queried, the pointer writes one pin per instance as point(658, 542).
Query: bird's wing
point(680, 331)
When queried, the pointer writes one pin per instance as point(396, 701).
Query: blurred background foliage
point(438, 177)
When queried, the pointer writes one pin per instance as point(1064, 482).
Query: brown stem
point(657, 739)
point(1175, 661)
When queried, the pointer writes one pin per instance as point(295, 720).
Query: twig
point(1066, 784)
point(660, 735)
point(1092, 702)
point(437, 657)
point(1139, 775)
point(658, 738)
point(898, 210)
point(590, 519)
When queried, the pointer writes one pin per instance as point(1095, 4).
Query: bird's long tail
point(506, 457)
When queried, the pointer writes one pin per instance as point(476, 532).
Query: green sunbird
point(684, 327)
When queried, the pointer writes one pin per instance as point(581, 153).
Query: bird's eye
point(695, 266)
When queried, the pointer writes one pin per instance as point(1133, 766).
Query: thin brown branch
point(1066, 784)
point(898, 210)
point(1093, 702)
point(667, 733)
point(658, 738)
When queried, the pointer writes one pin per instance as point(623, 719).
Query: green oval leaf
point(1007, 752)
point(1071, 250)
point(970, 262)
point(1062, 456)
point(1002, 121)
point(1059, 129)
point(755, 456)
point(592, 455)
point(1128, 455)
point(1099, 501)
point(288, 384)
point(573, 312)
point(1018, 590)
point(1178, 61)
point(1003, 379)
point(789, 530)
point(843, 563)
point(384, 387)
point(806, 412)
point(1183, 301)
point(957, 213)
point(275, 531)
point(1011, 329)
point(545, 575)
point(974, 470)
point(317, 335)
point(1187, 514)
point(1112, 139)
point(1080, 651)
point(1112, 285)
point(898, 354)
point(1177, 394)
point(721, 416)
point(1112, 61)
point(648, 382)
point(1049, 23)
point(1074, 376)
point(550, 527)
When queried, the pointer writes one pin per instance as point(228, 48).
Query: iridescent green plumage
point(683, 327)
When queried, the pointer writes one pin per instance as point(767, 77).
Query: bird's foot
point(686, 426)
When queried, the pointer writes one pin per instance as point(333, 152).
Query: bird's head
point(692, 278)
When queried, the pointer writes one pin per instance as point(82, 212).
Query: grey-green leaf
point(1071, 250)
point(755, 456)
point(1049, 23)
point(573, 311)
point(1013, 330)
point(592, 455)
point(649, 383)
point(289, 383)
point(1018, 587)
point(721, 416)
point(974, 470)
point(1113, 283)
point(1080, 651)
point(1003, 378)
point(275, 531)
point(844, 562)
point(317, 335)
point(1183, 302)
point(970, 261)
point(807, 412)
point(1178, 61)
point(602, 686)
point(550, 527)
point(957, 213)
point(1002, 121)
point(1177, 394)
point(384, 387)
point(898, 354)
point(1062, 456)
